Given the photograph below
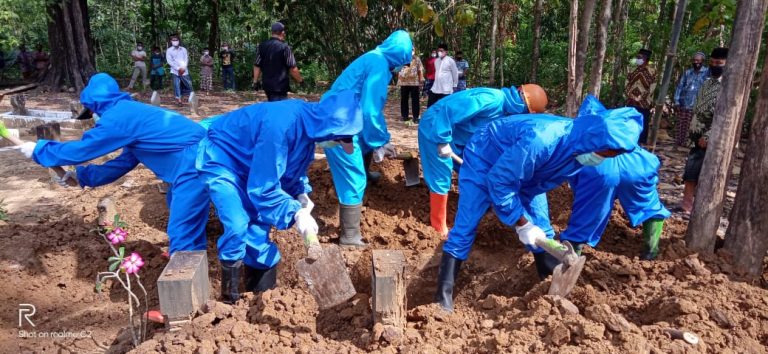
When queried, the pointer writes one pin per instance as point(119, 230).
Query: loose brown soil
point(49, 257)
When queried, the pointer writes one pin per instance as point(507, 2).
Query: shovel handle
point(564, 252)
point(57, 169)
point(407, 155)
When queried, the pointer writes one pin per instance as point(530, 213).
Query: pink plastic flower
point(117, 235)
point(132, 263)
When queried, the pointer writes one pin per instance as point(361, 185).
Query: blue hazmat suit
point(254, 162)
point(369, 76)
point(631, 178)
point(164, 141)
point(453, 120)
point(512, 162)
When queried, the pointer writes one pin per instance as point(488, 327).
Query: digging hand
point(306, 203)
point(62, 181)
point(529, 233)
point(305, 223)
point(444, 150)
point(387, 150)
point(28, 149)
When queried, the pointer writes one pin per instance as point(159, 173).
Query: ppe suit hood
point(336, 116)
point(599, 129)
point(513, 103)
point(397, 48)
point(101, 93)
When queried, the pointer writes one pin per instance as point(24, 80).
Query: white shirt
point(446, 76)
point(177, 58)
point(139, 54)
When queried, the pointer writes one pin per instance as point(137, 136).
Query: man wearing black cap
point(639, 90)
point(275, 61)
point(703, 112)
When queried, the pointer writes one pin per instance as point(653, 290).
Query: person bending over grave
point(254, 162)
point(631, 178)
point(164, 141)
point(511, 163)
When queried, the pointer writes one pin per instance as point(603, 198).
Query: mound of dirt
point(621, 304)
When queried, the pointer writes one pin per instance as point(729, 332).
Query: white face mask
point(434, 55)
point(590, 159)
point(175, 43)
point(225, 48)
point(638, 61)
point(205, 52)
point(139, 48)
point(442, 54)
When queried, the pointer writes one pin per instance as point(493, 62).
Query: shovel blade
point(327, 278)
point(564, 279)
point(411, 167)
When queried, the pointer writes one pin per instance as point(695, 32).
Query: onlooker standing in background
point(206, 71)
point(227, 57)
point(410, 78)
point(26, 63)
point(429, 69)
point(178, 59)
point(41, 61)
point(685, 96)
point(157, 72)
point(446, 76)
point(275, 59)
point(463, 66)
point(703, 113)
point(640, 85)
point(139, 66)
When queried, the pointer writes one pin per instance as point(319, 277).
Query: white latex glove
point(444, 150)
point(62, 181)
point(529, 233)
point(305, 223)
point(28, 149)
point(306, 203)
point(387, 150)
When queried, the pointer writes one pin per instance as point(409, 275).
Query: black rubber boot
point(372, 177)
point(349, 215)
point(230, 281)
point(449, 268)
point(259, 280)
point(545, 264)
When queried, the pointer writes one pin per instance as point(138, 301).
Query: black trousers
point(434, 97)
point(646, 124)
point(411, 92)
point(276, 96)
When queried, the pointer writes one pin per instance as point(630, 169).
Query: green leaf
point(117, 219)
point(113, 266)
point(121, 252)
point(98, 287)
point(113, 259)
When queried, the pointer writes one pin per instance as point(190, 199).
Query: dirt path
point(49, 258)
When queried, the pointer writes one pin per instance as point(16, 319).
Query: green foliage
point(3, 212)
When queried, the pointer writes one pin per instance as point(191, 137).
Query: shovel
point(327, 278)
point(566, 274)
point(411, 167)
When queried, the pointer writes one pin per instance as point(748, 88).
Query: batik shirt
point(704, 109)
point(640, 85)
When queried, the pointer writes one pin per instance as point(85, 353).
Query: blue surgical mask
point(590, 159)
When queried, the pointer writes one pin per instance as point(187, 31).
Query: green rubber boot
point(652, 229)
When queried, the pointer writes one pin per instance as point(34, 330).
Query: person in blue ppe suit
point(447, 126)
point(254, 162)
point(369, 76)
point(631, 178)
point(512, 162)
point(164, 141)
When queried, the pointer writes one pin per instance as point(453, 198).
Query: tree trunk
point(622, 10)
point(601, 40)
point(213, 37)
point(668, 66)
point(572, 37)
point(494, 30)
point(153, 22)
point(536, 39)
point(731, 106)
point(69, 35)
point(585, 24)
point(748, 227)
